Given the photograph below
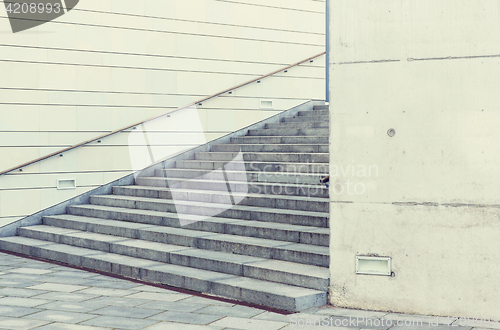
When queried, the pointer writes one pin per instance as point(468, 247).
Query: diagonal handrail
point(156, 117)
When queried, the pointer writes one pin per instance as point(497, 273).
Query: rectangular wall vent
point(373, 266)
point(66, 184)
point(266, 104)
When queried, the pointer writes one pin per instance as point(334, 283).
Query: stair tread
point(323, 250)
point(237, 281)
point(287, 197)
point(239, 222)
point(318, 185)
point(212, 205)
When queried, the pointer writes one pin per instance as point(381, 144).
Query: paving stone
point(180, 326)
point(173, 306)
point(119, 322)
point(204, 301)
point(13, 311)
point(66, 326)
point(79, 306)
point(106, 292)
point(110, 284)
point(119, 301)
point(237, 311)
point(350, 312)
point(189, 318)
point(15, 323)
point(270, 316)
point(419, 318)
point(61, 316)
point(20, 292)
point(35, 271)
point(149, 288)
point(248, 324)
point(22, 302)
point(136, 312)
point(476, 323)
point(57, 287)
point(15, 284)
point(65, 280)
point(64, 296)
point(159, 296)
point(428, 327)
point(74, 273)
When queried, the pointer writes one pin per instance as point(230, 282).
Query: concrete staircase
point(255, 229)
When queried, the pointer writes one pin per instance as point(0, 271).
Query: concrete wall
point(428, 69)
point(110, 63)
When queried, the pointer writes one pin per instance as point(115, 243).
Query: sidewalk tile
point(66, 326)
point(248, 324)
point(136, 312)
point(80, 306)
point(159, 296)
point(190, 318)
point(20, 292)
point(119, 322)
point(117, 301)
point(22, 302)
point(205, 301)
point(15, 323)
point(106, 292)
point(173, 306)
point(57, 287)
point(60, 316)
point(65, 296)
point(351, 313)
point(110, 284)
point(180, 326)
point(30, 271)
point(12, 311)
point(237, 311)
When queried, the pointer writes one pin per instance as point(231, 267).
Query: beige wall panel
point(15, 203)
point(95, 74)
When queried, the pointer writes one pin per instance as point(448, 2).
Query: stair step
point(312, 277)
point(281, 216)
point(281, 139)
point(314, 113)
point(274, 201)
point(277, 295)
point(306, 119)
point(286, 232)
point(303, 125)
point(299, 148)
point(266, 188)
point(249, 246)
point(277, 177)
point(265, 157)
point(321, 107)
point(319, 169)
point(290, 132)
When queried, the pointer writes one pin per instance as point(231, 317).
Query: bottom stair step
point(271, 294)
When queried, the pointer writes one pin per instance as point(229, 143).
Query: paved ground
point(38, 295)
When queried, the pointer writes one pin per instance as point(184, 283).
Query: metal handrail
point(60, 152)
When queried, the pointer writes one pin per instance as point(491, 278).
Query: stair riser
point(290, 132)
point(320, 169)
point(265, 157)
point(321, 107)
point(306, 119)
point(314, 113)
point(239, 176)
point(297, 148)
point(280, 140)
point(206, 243)
point(301, 125)
point(268, 216)
point(214, 197)
point(240, 187)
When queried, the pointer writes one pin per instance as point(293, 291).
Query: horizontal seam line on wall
point(178, 33)
point(258, 5)
point(146, 55)
point(139, 106)
point(149, 69)
point(203, 22)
